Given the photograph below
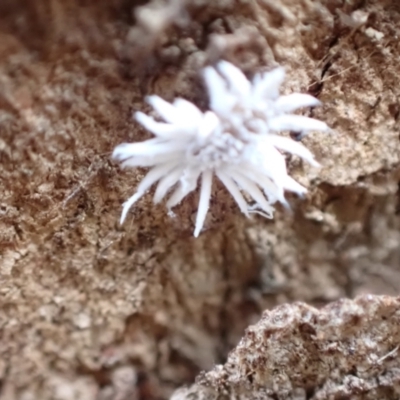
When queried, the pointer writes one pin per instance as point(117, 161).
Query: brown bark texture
point(253, 308)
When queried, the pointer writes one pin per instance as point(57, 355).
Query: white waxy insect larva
point(236, 140)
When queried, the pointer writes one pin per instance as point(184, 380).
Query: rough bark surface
point(346, 350)
point(92, 310)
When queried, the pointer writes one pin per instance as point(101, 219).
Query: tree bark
point(90, 309)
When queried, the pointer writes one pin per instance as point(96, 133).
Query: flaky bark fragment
point(348, 348)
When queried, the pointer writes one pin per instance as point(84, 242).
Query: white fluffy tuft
point(236, 141)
